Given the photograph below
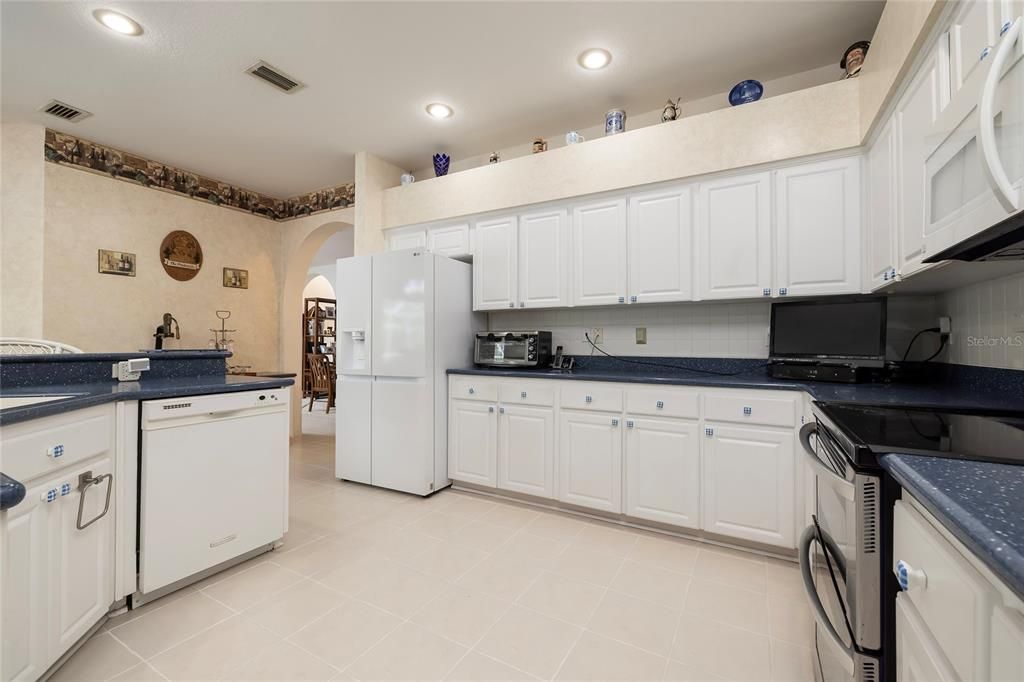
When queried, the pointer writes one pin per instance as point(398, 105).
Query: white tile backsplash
point(987, 323)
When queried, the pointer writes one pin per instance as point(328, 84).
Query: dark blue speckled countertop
point(981, 503)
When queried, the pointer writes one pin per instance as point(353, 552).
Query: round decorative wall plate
point(181, 255)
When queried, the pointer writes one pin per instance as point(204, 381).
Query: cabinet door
point(1007, 644)
point(543, 259)
point(663, 470)
point(661, 246)
point(526, 449)
point(817, 208)
point(590, 460)
point(25, 532)
point(734, 233)
point(748, 483)
point(407, 239)
point(599, 251)
point(918, 656)
point(82, 561)
point(472, 442)
point(449, 240)
point(880, 263)
point(494, 264)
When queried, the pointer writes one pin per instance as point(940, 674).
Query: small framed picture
point(116, 263)
point(236, 278)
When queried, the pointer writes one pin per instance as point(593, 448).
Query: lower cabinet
point(663, 470)
point(748, 483)
point(590, 460)
point(918, 659)
point(526, 449)
point(472, 444)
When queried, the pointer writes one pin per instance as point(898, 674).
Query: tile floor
point(375, 585)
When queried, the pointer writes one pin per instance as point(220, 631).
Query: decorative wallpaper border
point(69, 150)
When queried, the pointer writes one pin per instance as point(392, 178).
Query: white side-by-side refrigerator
point(404, 318)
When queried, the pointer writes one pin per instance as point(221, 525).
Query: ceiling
point(179, 94)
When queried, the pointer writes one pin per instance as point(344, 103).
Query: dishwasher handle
point(85, 482)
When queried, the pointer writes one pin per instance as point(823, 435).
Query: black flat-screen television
point(843, 330)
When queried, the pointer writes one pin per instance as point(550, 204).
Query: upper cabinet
point(449, 240)
point(407, 239)
point(661, 246)
point(494, 264)
point(817, 208)
point(734, 229)
point(880, 223)
point(543, 259)
point(599, 252)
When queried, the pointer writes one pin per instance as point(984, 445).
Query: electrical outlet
point(641, 335)
point(596, 335)
point(944, 327)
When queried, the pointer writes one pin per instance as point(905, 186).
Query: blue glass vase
point(745, 92)
point(441, 163)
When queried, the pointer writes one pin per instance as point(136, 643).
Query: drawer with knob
point(35, 448)
point(584, 395)
point(770, 410)
point(474, 388)
point(527, 393)
point(663, 402)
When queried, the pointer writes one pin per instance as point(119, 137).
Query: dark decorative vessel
point(745, 92)
point(441, 163)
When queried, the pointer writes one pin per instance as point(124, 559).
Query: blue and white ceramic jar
point(614, 122)
point(441, 163)
point(745, 92)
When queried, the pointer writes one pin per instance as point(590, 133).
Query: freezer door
point(354, 315)
point(352, 456)
point(403, 435)
point(402, 307)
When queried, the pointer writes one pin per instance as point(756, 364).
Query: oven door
point(840, 563)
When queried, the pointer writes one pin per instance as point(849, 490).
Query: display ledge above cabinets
point(787, 230)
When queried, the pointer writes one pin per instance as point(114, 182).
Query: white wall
point(987, 323)
point(318, 287)
point(21, 230)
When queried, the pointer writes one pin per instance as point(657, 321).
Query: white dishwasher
point(213, 483)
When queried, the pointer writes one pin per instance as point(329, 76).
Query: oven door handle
point(814, 600)
point(840, 484)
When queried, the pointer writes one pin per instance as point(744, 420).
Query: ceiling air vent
point(65, 111)
point(274, 76)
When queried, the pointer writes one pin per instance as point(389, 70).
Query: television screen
point(846, 328)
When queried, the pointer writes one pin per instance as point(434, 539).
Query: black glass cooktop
point(883, 430)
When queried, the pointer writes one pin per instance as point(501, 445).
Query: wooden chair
point(322, 379)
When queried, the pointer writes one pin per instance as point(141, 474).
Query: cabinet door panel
point(748, 483)
point(472, 441)
point(663, 471)
point(494, 264)
point(881, 219)
point(526, 450)
point(407, 240)
point(449, 240)
point(590, 460)
point(543, 258)
point(818, 228)
point(734, 237)
point(599, 252)
point(661, 246)
point(918, 656)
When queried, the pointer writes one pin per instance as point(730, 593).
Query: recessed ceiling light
point(595, 58)
point(118, 22)
point(439, 110)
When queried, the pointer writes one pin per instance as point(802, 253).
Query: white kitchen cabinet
point(599, 252)
point(748, 483)
point(472, 442)
point(526, 449)
point(662, 459)
point(661, 246)
point(1007, 644)
point(449, 240)
point(817, 220)
point(409, 238)
point(543, 259)
point(918, 657)
point(881, 168)
point(734, 237)
point(590, 460)
point(494, 264)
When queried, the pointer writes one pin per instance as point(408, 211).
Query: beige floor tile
point(165, 627)
point(483, 535)
point(665, 552)
point(244, 589)
point(470, 506)
point(635, 621)
point(509, 516)
point(791, 663)
point(148, 607)
point(317, 556)
point(676, 671)
point(530, 641)
point(476, 667)
point(406, 514)
point(409, 653)
point(783, 577)
point(598, 658)
point(790, 619)
point(299, 533)
point(535, 547)
point(555, 526)
point(604, 538)
point(353, 575)
point(653, 583)
point(502, 576)
point(461, 614)
point(561, 597)
point(403, 543)
point(345, 633)
point(100, 658)
point(721, 650)
point(282, 661)
point(143, 672)
point(441, 525)
point(446, 560)
point(732, 568)
point(292, 609)
point(214, 652)
point(595, 567)
point(727, 604)
point(401, 590)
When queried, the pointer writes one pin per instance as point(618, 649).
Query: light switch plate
point(641, 335)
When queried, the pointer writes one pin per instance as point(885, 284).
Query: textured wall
point(987, 323)
point(21, 230)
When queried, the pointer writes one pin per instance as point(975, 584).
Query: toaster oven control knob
point(910, 577)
